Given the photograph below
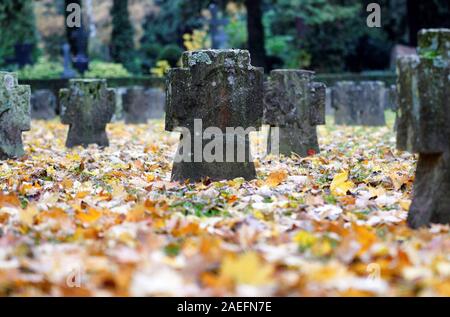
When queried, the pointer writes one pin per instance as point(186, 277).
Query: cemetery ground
point(93, 221)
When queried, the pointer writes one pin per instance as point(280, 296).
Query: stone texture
point(43, 105)
point(141, 104)
point(390, 98)
point(14, 115)
point(359, 103)
point(423, 125)
point(221, 88)
point(119, 112)
point(87, 107)
point(296, 104)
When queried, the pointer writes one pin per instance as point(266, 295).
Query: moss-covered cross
point(14, 115)
point(87, 106)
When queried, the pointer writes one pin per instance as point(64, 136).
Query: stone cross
point(390, 98)
point(43, 104)
point(216, 98)
point(68, 71)
point(87, 107)
point(141, 104)
point(296, 104)
point(14, 115)
point(423, 125)
point(218, 36)
point(359, 103)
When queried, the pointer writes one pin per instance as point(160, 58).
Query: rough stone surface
point(87, 107)
point(43, 105)
point(221, 88)
point(296, 104)
point(14, 115)
point(359, 103)
point(423, 125)
point(141, 104)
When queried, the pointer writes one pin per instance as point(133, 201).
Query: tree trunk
point(256, 42)
point(413, 9)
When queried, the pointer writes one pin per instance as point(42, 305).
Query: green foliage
point(171, 53)
point(43, 69)
point(122, 45)
point(98, 69)
point(237, 32)
point(18, 25)
point(167, 27)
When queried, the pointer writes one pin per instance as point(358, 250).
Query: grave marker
point(14, 115)
point(87, 107)
point(423, 125)
point(213, 93)
point(359, 103)
point(296, 104)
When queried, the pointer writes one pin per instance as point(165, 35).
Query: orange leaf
point(276, 178)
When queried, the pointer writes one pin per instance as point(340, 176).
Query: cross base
point(431, 202)
point(301, 141)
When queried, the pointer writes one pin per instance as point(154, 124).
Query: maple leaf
point(341, 184)
point(247, 269)
point(276, 178)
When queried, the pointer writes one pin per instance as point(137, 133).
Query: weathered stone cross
point(423, 125)
point(87, 107)
point(295, 104)
point(359, 103)
point(14, 115)
point(216, 98)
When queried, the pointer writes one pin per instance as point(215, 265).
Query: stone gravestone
point(296, 104)
point(423, 125)
point(141, 104)
point(216, 98)
point(158, 98)
point(390, 98)
point(87, 107)
point(329, 111)
point(14, 115)
point(43, 104)
point(359, 103)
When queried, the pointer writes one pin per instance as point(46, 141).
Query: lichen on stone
point(199, 58)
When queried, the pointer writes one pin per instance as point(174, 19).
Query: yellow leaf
point(247, 269)
point(26, 216)
point(276, 178)
point(405, 204)
point(305, 239)
point(341, 185)
point(90, 216)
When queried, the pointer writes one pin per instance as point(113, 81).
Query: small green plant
point(99, 69)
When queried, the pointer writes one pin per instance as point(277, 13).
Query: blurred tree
point(426, 14)
point(256, 38)
point(18, 25)
point(122, 48)
point(166, 27)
